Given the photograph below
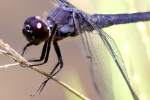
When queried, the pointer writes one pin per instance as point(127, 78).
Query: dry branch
point(8, 51)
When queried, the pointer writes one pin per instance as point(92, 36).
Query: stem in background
point(8, 51)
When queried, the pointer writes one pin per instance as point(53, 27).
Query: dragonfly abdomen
point(106, 20)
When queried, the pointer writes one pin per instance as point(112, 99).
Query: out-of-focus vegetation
point(133, 41)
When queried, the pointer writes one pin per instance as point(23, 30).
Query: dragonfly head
point(35, 30)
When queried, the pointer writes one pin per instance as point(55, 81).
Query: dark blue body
point(66, 25)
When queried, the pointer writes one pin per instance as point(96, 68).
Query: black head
point(35, 30)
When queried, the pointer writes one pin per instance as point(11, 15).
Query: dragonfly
point(68, 21)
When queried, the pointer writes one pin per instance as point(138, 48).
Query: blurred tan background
point(17, 83)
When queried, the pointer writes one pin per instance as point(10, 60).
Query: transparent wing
point(101, 74)
point(114, 52)
point(99, 68)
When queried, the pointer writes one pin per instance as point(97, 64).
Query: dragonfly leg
point(46, 57)
point(44, 50)
point(25, 48)
point(55, 70)
point(59, 64)
point(39, 90)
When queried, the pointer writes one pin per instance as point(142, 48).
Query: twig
point(8, 51)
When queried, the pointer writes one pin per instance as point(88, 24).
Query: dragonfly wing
point(114, 52)
point(100, 68)
point(101, 75)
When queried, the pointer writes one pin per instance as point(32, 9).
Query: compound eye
point(28, 28)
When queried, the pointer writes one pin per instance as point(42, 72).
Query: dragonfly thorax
point(35, 30)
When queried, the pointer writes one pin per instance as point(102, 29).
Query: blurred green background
point(132, 39)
